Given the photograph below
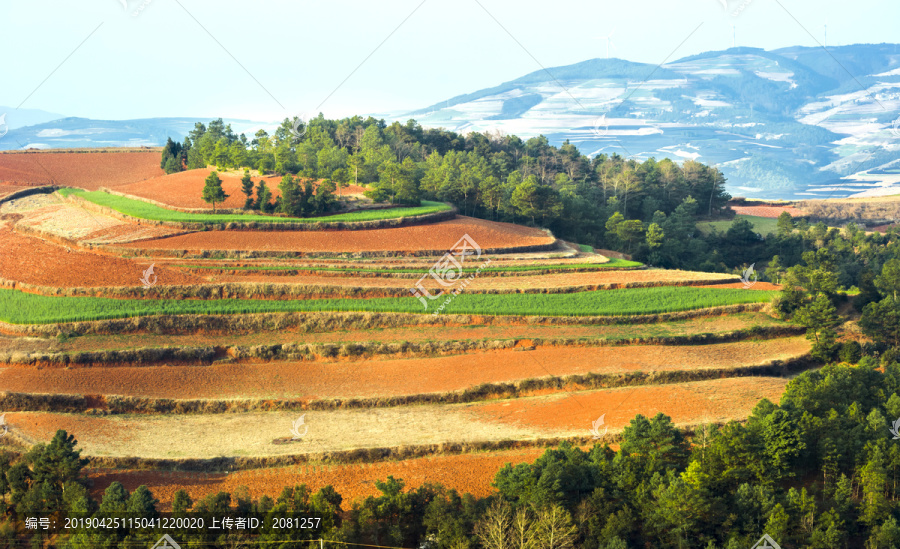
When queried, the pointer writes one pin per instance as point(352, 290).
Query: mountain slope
point(787, 123)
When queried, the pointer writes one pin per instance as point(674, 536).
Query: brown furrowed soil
point(718, 400)
point(589, 280)
point(435, 236)
point(389, 377)
point(185, 189)
point(711, 325)
point(87, 170)
point(36, 261)
point(472, 473)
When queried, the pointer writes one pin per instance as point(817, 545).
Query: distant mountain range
point(791, 123)
point(54, 131)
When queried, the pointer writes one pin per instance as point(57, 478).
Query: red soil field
point(435, 236)
point(390, 377)
point(88, 170)
point(489, 281)
point(185, 189)
point(9, 189)
point(768, 211)
point(93, 342)
point(686, 403)
point(36, 261)
point(472, 473)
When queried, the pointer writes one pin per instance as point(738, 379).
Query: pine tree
point(212, 190)
point(247, 189)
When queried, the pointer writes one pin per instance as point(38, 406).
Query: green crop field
point(21, 308)
point(762, 225)
point(145, 210)
point(611, 264)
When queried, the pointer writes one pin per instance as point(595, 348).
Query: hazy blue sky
point(171, 59)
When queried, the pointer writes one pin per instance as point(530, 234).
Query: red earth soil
point(686, 403)
point(390, 377)
point(185, 189)
point(767, 211)
point(9, 189)
point(472, 473)
point(88, 170)
point(93, 342)
point(35, 261)
point(435, 236)
point(489, 281)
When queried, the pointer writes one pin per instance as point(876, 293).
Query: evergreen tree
point(212, 190)
point(247, 189)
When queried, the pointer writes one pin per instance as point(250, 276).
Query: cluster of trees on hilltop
point(492, 176)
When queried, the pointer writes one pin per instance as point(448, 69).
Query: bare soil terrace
point(435, 236)
point(86, 170)
point(466, 473)
point(93, 342)
point(36, 261)
point(254, 434)
point(388, 377)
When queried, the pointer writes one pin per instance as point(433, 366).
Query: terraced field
point(196, 351)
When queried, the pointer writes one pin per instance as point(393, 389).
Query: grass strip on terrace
point(22, 308)
point(611, 264)
point(144, 210)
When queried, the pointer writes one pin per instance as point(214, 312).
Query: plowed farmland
point(439, 332)
point(35, 261)
point(86, 170)
point(517, 357)
point(720, 400)
point(390, 377)
point(437, 236)
point(472, 473)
